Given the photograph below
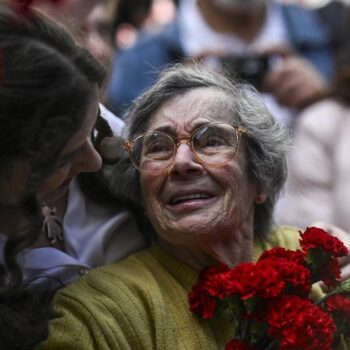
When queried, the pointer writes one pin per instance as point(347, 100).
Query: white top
point(114, 122)
point(198, 38)
point(318, 186)
point(98, 235)
point(93, 236)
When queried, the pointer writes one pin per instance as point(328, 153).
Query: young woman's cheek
point(54, 181)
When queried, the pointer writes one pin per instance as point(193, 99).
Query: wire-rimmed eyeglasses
point(213, 144)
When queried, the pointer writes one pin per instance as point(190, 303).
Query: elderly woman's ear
point(260, 197)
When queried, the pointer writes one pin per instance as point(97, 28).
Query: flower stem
point(246, 330)
point(273, 345)
point(323, 299)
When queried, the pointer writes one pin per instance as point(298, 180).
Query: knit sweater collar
point(181, 272)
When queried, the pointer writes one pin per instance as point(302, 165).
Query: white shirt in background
point(198, 38)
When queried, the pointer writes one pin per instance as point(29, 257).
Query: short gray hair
point(266, 144)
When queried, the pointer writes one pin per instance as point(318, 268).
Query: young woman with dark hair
point(50, 124)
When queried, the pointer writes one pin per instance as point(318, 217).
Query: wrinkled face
point(79, 155)
point(191, 201)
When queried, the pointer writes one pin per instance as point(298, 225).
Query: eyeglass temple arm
point(127, 145)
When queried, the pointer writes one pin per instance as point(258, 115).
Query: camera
point(249, 68)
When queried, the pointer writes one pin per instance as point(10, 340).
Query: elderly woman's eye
point(158, 149)
point(210, 143)
point(213, 141)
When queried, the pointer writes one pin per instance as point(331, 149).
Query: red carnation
point(330, 273)
point(261, 280)
point(296, 277)
point(222, 285)
point(339, 304)
point(282, 253)
point(238, 345)
point(299, 324)
point(213, 270)
point(215, 280)
point(201, 303)
point(267, 300)
point(315, 237)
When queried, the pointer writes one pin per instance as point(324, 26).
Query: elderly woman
point(209, 161)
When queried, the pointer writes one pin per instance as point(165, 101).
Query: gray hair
point(266, 143)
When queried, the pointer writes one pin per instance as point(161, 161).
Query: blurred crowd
point(296, 56)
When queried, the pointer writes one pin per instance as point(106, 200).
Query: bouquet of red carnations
point(269, 301)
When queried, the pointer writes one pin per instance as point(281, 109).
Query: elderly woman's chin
point(212, 219)
point(193, 211)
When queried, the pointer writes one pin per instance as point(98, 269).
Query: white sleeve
point(115, 123)
point(308, 194)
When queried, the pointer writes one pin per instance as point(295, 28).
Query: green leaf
point(258, 330)
point(252, 304)
point(344, 287)
point(235, 305)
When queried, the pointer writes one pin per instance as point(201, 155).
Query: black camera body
point(249, 68)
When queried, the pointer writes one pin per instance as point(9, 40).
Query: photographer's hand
point(295, 82)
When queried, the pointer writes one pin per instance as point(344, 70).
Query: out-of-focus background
point(295, 52)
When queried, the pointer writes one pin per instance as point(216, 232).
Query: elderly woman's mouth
point(190, 199)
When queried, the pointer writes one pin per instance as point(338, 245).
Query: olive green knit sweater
point(141, 303)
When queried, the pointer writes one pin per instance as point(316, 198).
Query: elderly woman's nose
point(184, 162)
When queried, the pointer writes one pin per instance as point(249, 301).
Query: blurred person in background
point(138, 15)
point(317, 190)
point(318, 186)
point(335, 15)
point(162, 12)
point(289, 44)
point(131, 16)
point(91, 23)
point(98, 31)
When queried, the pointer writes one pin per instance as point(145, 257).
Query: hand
point(295, 82)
